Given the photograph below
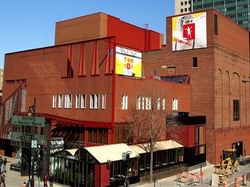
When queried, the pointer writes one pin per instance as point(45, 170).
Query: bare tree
point(148, 121)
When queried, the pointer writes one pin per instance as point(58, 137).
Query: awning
point(71, 151)
point(112, 152)
point(159, 146)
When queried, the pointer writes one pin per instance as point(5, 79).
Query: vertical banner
point(189, 31)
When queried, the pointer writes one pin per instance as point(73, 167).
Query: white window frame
point(175, 104)
point(124, 104)
point(138, 103)
point(68, 101)
point(78, 101)
point(83, 101)
point(163, 102)
point(148, 103)
point(158, 103)
point(104, 102)
point(94, 101)
point(143, 103)
point(54, 101)
point(60, 101)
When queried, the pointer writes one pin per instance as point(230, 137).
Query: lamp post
point(33, 142)
point(33, 148)
point(126, 158)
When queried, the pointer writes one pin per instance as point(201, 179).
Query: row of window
point(186, 9)
point(186, 2)
point(96, 101)
point(145, 103)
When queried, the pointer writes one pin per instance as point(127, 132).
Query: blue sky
point(28, 24)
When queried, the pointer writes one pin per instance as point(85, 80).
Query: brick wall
point(215, 83)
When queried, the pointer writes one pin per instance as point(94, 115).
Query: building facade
point(85, 86)
point(236, 10)
point(183, 6)
point(202, 45)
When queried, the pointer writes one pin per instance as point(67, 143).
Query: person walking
point(45, 180)
point(24, 184)
point(1, 163)
point(2, 179)
point(3, 167)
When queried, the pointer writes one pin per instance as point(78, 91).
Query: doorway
point(239, 147)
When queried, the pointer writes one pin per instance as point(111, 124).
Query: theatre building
point(82, 90)
point(214, 52)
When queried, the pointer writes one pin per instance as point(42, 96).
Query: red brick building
point(85, 85)
point(69, 80)
point(215, 54)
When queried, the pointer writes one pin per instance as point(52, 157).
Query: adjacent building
point(1, 79)
point(183, 6)
point(236, 10)
point(202, 45)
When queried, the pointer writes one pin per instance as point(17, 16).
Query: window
point(124, 102)
point(60, 101)
point(68, 101)
point(80, 101)
point(195, 62)
point(236, 110)
point(97, 136)
point(175, 104)
point(54, 99)
point(163, 104)
point(158, 103)
point(143, 103)
point(148, 103)
point(215, 24)
point(83, 101)
point(103, 101)
point(138, 103)
point(94, 101)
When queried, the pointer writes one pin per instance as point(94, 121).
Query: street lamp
point(33, 143)
point(126, 158)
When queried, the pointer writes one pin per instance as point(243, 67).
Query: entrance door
point(239, 147)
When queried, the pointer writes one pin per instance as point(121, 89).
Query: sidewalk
point(14, 179)
point(172, 180)
point(208, 170)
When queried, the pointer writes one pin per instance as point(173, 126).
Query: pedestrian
point(1, 162)
point(3, 168)
point(45, 180)
point(24, 184)
point(51, 179)
point(2, 179)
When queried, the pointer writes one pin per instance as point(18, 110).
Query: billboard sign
point(189, 31)
point(128, 62)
